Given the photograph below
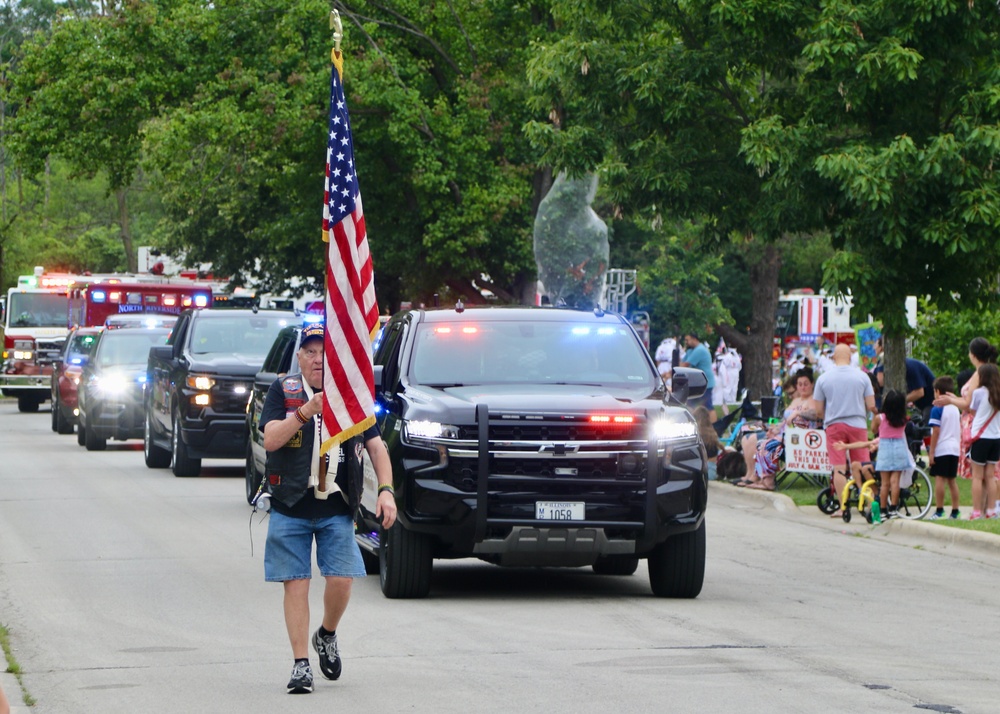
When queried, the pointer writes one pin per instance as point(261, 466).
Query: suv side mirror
point(688, 383)
point(162, 352)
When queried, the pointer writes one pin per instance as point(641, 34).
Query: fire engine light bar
point(186, 301)
point(608, 419)
point(99, 296)
point(115, 297)
point(201, 300)
point(169, 300)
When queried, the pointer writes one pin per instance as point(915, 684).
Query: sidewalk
point(13, 691)
point(943, 535)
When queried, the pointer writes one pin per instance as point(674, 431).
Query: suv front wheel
point(405, 561)
point(677, 566)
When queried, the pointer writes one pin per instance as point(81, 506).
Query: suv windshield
point(249, 336)
point(544, 352)
point(128, 348)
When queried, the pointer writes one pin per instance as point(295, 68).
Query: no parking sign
point(805, 451)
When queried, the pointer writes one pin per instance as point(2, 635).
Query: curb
point(12, 689)
point(942, 534)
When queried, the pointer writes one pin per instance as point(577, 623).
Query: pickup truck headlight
point(200, 381)
point(430, 430)
point(669, 430)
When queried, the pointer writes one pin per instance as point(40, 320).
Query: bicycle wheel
point(827, 501)
point(915, 500)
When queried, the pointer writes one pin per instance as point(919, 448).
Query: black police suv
point(534, 437)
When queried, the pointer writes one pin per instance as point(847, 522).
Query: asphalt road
point(128, 590)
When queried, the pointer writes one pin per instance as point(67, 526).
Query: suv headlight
point(112, 384)
point(670, 430)
point(430, 430)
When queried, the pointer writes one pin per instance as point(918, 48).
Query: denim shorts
point(893, 455)
point(288, 550)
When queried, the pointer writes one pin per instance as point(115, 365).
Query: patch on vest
point(296, 440)
point(274, 480)
point(292, 404)
point(358, 449)
point(292, 385)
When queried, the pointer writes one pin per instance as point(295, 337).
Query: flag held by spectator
point(351, 309)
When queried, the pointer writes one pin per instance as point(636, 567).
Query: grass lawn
point(805, 495)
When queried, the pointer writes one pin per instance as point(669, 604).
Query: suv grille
point(550, 458)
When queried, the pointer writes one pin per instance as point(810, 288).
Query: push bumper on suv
point(549, 489)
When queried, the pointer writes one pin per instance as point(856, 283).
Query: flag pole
point(324, 457)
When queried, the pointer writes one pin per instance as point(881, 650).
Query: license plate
point(559, 510)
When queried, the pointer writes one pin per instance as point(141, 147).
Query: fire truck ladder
point(619, 285)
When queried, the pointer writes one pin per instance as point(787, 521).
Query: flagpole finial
point(338, 29)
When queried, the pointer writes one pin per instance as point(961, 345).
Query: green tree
point(902, 110)
point(84, 90)
point(437, 100)
point(659, 98)
point(943, 335)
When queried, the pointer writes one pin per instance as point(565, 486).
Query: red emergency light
point(612, 419)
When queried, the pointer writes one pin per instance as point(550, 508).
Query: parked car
point(200, 382)
point(113, 385)
point(66, 374)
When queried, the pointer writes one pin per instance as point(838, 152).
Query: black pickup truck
point(534, 437)
point(199, 384)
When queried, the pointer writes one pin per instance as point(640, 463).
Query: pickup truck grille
point(229, 396)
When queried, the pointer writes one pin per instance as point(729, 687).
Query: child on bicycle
point(893, 453)
point(945, 423)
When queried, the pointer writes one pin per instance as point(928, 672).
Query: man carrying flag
point(316, 425)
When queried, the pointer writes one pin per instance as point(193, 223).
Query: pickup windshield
point(248, 336)
point(465, 353)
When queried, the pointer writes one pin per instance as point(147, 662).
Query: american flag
point(811, 316)
point(351, 310)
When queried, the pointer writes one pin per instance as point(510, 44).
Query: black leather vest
point(287, 469)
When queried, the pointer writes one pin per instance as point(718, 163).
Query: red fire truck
point(98, 301)
point(42, 308)
point(35, 327)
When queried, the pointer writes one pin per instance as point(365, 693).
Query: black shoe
point(302, 679)
point(329, 655)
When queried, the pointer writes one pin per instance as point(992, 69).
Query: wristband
point(386, 487)
point(300, 416)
